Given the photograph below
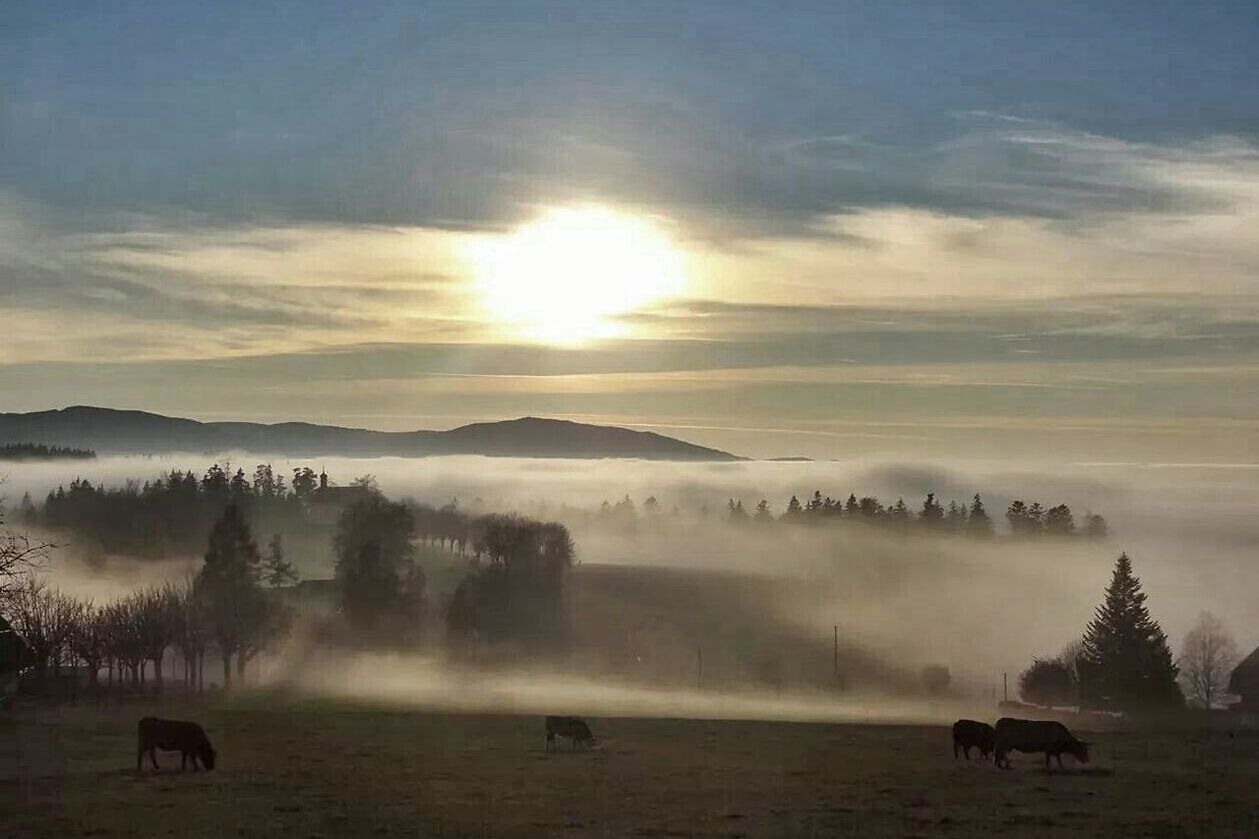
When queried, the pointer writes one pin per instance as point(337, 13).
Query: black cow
point(187, 738)
point(574, 728)
point(1030, 736)
point(971, 733)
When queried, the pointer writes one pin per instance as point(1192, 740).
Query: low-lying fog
point(980, 608)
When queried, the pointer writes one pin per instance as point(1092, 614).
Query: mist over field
point(761, 600)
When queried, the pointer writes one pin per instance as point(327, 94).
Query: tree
point(304, 481)
point(378, 581)
point(1059, 522)
point(932, 514)
point(978, 522)
point(1207, 657)
point(1095, 527)
point(793, 508)
point(88, 639)
point(1048, 682)
point(229, 579)
point(276, 570)
point(763, 514)
point(18, 557)
point(45, 619)
point(154, 614)
point(519, 594)
point(651, 506)
point(1127, 663)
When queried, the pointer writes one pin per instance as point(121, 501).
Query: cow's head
point(207, 756)
point(1080, 750)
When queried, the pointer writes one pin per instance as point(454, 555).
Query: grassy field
point(311, 769)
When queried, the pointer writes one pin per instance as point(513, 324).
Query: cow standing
point(968, 734)
point(187, 738)
point(1030, 736)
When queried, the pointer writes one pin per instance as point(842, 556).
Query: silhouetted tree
point(237, 611)
point(978, 522)
point(305, 481)
point(1207, 658)
point(276, 570)
point(1127, 663)
point(932, 514)
point(45, 618)
point(381, 587)
point(651, 506)
point(763, 514)
point(1047, 682)
point(1059, 522)
point(793, 508)
point(518, 595)
point(18, 557)
point(1095, 527)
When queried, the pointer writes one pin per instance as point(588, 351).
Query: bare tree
point(153, 613)
point(45, 618)
point(190, 624)
point(1207, 657)
point(89, 638)
point(19, 555)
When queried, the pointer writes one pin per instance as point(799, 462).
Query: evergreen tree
point(793, 508)
point(1126, 661)
point(237, 610)
point(978, 522)
point(276, 570)
point(851, 507)
point(762, 511)
point(932, 513)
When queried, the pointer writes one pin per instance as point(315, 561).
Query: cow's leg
point(140, 759)
point(153, 758)
point(1047, 756)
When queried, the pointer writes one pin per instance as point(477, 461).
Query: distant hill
point(109, 431)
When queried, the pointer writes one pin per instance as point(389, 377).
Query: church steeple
point(323, 479)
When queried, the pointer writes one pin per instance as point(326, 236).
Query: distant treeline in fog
point(1024, 519)
point(38, 451)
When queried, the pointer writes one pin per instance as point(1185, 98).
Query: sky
point(826, 229)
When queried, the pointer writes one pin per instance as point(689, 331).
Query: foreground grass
point(306, 769)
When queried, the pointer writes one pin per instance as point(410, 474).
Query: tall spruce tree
point(1126, 661)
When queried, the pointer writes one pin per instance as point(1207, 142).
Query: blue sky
point(274, 188)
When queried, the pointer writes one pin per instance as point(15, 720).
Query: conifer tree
point(1126, 661)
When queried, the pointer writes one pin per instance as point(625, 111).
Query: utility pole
point(1005, 687)
point(835, 657)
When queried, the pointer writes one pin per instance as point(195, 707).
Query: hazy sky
point(818, 228)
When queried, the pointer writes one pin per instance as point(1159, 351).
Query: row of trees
point(225, 607)
point(513, 590)
point(970, 518)
point(39, 451)
point(173, 512)
point(1124, 661)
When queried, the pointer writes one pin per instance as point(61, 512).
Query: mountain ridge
point(129, 431)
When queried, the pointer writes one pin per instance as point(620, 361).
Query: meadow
point(307, 768)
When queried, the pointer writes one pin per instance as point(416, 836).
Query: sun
point(566, 276)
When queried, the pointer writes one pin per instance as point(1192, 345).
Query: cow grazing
point(574, 728)
point(187, 738)
point(969, 734)
point(1031, 736)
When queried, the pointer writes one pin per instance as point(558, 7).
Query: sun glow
point(566, 276)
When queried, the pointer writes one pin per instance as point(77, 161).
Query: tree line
point(39, 451)
point(970, 518)
point(172, 513)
